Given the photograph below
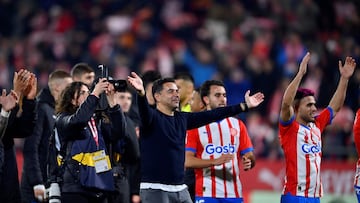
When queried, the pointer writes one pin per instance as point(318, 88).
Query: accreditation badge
point(101, 161)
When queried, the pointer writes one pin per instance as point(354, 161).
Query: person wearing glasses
point(84, 134)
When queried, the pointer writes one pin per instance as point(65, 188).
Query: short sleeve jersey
point(210, 142)
point(302, 148)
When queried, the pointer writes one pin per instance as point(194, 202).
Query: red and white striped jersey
point(302, 149)
point(211, 141)
point(356, 130)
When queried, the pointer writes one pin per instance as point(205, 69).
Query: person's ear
point(206, 100)
point(156, 97)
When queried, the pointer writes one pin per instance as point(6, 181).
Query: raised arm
point(144, 108)
point(137, 83)
point(198, 119)
point(346, 72)
point(287, 110)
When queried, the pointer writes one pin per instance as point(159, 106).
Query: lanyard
point(94, 131)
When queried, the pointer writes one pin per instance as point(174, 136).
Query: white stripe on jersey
point(302, 149)
point(221, 140)
point(308, 139)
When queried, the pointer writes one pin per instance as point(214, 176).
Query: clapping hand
point(9, 101)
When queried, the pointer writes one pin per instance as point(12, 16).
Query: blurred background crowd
point(249, 44)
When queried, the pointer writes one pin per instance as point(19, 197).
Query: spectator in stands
point(300, 133)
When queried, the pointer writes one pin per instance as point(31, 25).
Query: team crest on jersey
point(233, 132)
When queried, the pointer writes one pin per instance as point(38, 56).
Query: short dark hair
point(150, 76)
point(81, 68)
point(303, 92)
point(205, 87)
point(158, 85)
point(185, 76)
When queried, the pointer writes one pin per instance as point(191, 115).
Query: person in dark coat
point(88, 175)
point(7, 102)
point(20, 124)
point(126, 156)
point(36, 146)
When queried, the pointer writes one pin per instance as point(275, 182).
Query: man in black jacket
point(126, 156)
point(20, 124)
point(36, 146)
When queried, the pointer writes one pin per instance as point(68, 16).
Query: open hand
point(254, 100)
point(348, 69)
point(137, 83)
point(304, 63)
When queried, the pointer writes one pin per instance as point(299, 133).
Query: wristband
point(4, 113)
point(245, 107)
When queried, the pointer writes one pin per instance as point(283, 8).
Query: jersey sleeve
point(245, 141)
point(192, 138)
point(324, 118)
